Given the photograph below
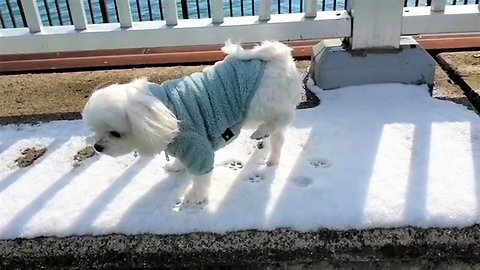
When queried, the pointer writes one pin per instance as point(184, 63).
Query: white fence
point(368, 24)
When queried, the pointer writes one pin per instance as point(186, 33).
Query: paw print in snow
point(302, 181)
point(234, 165)
point(255, 178)
point(320, 163)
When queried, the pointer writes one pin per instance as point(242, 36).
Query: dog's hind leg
point(198, 193)
point(269, 127)
point(276, 139)
point(263, 131)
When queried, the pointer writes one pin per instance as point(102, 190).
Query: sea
point(57, 13)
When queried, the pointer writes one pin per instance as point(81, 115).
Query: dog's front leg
point(198, 193)
point(175, 166)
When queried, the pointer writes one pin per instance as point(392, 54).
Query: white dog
point(192, 117)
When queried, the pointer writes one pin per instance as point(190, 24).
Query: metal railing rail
point(106, 11)
point(392, 20)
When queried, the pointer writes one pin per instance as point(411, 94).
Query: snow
point(369, 156)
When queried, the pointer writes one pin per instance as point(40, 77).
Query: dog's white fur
point(146, 125)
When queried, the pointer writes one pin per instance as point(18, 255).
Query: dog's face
point(124, 118)
point(106, 116)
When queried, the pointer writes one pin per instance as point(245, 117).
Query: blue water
point(94, 15)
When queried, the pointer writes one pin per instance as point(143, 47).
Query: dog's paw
point(271, 162)
point(193, 198)
point(189, 207)
point(174, 167)
point(259, 134)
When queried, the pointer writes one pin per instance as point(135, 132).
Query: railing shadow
point(159, 201)
point(475, 142)
point(17, 224)
point(338, 174)
point(247, 196)
point(416, 193)
point(352, 200)
point(424, 202)
point(311, 177)
point(84, 222)
point(17, 173)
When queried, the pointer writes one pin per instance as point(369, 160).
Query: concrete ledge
point(254, 249)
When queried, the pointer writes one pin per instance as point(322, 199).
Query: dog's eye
point(115, 134)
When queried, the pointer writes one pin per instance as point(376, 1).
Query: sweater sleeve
point(196, 153)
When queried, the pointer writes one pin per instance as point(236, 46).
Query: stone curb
point(249, 249)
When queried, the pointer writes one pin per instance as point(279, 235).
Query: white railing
point(367, 23)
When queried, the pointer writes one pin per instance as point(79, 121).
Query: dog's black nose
point(98, 147)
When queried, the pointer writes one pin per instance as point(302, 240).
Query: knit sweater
point(211, 107)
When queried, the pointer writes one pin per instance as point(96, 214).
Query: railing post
point(78, 14)
point(32, 15)
point(376, 24)
point(171, 16)
point(381, 54)
point(124, 13)
point(438, 5)
point(264, 10)
point(217, 11)
point(310, 8)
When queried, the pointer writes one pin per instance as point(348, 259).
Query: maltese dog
point(192, 117)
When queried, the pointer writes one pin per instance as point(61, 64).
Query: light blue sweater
point(211, 106)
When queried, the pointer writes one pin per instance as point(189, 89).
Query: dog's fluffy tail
point(267, 51)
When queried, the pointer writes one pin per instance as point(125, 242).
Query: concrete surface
point(464, 69)
point(334, 65)
point(32, 97)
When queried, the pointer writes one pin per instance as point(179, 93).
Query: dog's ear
point(153, 125)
